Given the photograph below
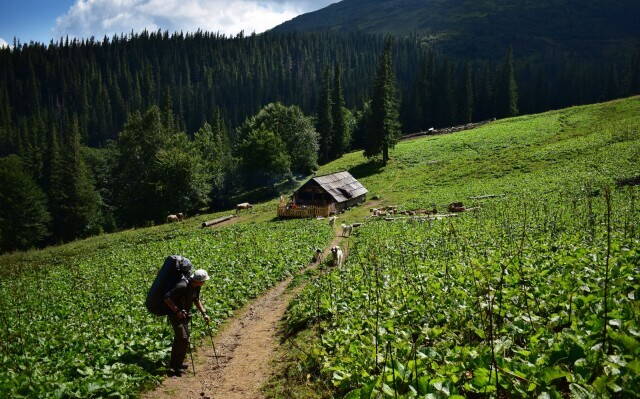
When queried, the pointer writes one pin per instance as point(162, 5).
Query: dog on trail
point(317, 256)
point(346, 230)
point(338, 256)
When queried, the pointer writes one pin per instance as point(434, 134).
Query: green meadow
point(558, 151)
point(74, 324)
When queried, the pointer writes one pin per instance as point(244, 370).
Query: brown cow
point(173, 219)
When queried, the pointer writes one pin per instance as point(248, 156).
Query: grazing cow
point(332, 220)
point(338, 256)
point(317, 256)
point(172, 218)
point(242, 206)
point(346, 230)
point(180, 216)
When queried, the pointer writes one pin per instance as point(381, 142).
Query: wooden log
point(487, 196)
point(213, 222)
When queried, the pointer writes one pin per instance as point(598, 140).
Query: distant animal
point(456, 207)
point(173, 218)
point(317, 256)
point(346, 230)
point(332, 220)
point(243, 206)
point(180, 216)
point(338, 256)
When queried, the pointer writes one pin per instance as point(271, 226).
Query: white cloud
point(99, 17)
point(3, 43)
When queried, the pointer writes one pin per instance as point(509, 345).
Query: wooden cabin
point(324, 196)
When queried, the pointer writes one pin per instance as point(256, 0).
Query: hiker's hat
point(200, 275)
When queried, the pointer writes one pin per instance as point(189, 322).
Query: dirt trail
point(245, 346)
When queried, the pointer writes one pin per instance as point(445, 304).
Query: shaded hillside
point(486, 28)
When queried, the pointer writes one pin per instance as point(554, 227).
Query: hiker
point(179, 300)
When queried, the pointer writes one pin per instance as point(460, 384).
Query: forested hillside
point(102, 135)
point(101, 82)
point(483, 28)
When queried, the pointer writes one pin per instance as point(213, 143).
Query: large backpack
point(174, 269)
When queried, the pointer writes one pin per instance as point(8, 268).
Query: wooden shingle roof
point(341, 186)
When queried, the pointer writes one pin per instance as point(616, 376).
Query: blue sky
point(40, 20)
point(30, 19)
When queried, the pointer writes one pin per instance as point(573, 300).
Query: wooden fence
point(305, 212)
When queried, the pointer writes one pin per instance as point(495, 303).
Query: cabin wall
point(350, 203)
point(312, 195)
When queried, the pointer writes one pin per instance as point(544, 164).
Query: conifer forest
point(81, 113)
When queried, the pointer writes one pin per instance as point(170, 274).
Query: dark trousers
point(180, 341)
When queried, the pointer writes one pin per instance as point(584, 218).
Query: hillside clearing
point(100, 341)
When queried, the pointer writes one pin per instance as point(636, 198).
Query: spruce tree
point(324, 124)
point(635, 73)
point(23, 215)
point(466, 96)
point(384, 126)
point(75, 204)
point(339, 125)
point(507, 89)
point(136, 187)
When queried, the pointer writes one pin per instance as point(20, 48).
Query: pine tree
point(136, 172)
point(635, 73)
point(324, 124)
point(384, 127)
point(23, 214)
point(445, 102)
point(74, 201)
point(466, 96)
point(507, 89)
point(339, 125)
point(167, 112)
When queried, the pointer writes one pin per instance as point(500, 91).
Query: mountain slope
point(100, 340)
point(483, 27)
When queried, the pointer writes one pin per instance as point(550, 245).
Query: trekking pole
point(193, 364)
point(212, 344)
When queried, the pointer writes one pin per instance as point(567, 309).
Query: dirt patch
point(246, 346)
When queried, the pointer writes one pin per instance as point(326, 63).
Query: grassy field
point(73, 324)
point(558, 151)
point(508, 301)
point(73, 317)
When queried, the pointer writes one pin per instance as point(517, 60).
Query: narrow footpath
point(245, 346)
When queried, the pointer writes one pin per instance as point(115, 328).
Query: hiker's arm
point(171, 305)
point(177, 291)
point(202, 310)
